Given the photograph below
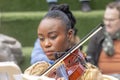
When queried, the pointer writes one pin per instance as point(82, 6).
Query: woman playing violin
point(56, 34)
point(56, 31)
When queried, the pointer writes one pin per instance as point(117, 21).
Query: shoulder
point(37, 69)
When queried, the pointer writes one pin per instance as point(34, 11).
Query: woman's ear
point(70, 34)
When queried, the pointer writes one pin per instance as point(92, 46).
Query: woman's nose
point(47, 43)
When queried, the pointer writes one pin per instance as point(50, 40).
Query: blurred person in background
point(104, 48)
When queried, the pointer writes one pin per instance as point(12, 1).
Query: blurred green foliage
point(41, 5)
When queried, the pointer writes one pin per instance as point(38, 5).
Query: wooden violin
point(71, 65)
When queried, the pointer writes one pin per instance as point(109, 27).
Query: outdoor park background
point(20, 19)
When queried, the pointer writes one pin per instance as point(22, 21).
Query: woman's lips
point(49, 52)
point(50, 55)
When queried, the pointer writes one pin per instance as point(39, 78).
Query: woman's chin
point(51, 58)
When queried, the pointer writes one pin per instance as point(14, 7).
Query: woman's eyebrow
point(52, 32)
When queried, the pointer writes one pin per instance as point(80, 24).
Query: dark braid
point(65, 9)
point(63, 13)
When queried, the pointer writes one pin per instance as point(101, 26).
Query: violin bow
point(82, 41)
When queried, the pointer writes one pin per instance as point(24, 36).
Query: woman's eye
point(41, 39)
point(53, 37)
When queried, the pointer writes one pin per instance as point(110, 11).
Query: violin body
point(73, 68)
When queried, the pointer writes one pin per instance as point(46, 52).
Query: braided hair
point(63, 13)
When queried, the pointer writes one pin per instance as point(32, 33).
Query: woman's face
point(53, 37)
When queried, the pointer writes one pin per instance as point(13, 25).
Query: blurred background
point(20, 19)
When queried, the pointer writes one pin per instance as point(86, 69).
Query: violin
point(71, 64)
